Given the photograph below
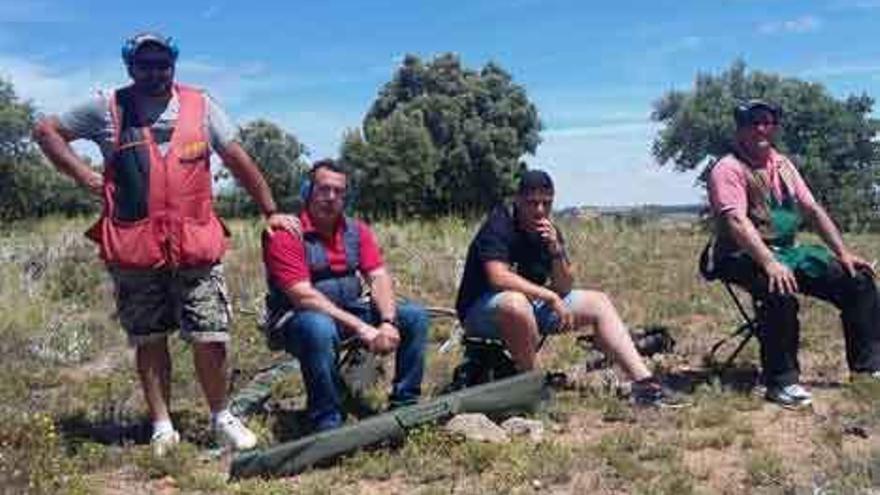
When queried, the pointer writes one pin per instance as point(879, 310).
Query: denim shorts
point(481, 321)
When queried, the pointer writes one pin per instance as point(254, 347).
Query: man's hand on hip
point(95, 183)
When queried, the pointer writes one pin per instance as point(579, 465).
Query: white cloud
point(231, 84)
point(21, 11)
point(803, 24)
point(611, 165)
point(52, 90)
point(857, 4)
point(825, 69)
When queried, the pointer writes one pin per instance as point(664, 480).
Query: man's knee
point(311, 331)
point(413, 320)
point(863, 283)
point(588, 305)
point(777, 309)
point(512, 304)
point(779, 302)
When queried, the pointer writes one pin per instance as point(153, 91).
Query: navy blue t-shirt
point(500, 239)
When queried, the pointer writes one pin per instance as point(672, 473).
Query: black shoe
point(651, 393)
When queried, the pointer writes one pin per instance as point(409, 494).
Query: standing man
point(158, 233)
point(518, 285)
point(760, 201)
point(315, 294)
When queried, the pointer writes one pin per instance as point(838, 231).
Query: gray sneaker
point(792, 396)
point(651, 393)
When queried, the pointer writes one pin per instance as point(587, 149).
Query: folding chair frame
point(745, 331)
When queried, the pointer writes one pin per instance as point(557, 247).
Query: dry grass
point(74, 417)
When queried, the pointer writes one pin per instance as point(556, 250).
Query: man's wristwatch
point(386, 319)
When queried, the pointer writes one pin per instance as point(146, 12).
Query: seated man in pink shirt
point(760, 202)
point(315, 294)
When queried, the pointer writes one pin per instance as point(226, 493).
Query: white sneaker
point(797, 391)
point(791, 396)
point(163, 442)
point(231, 431)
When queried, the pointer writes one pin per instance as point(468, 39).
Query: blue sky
point(592, 68)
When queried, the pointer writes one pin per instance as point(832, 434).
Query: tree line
point(442, 139)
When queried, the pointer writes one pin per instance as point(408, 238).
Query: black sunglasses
point(153, 64)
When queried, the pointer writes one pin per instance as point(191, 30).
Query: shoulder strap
point(352, 241)
point(788, 176)
point(125, 109)
point(316, 256)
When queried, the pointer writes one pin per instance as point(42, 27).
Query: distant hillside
point(659, 212)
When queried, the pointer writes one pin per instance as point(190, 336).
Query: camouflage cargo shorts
point(151, 304)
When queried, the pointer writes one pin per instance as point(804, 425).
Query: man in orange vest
point(158, 233)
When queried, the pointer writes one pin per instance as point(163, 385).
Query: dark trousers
point(778, 325)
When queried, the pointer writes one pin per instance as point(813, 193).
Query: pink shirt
point(728, 184)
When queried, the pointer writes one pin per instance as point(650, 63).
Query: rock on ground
point(477, 427)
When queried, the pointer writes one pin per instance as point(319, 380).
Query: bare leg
point(518, 328)
point(210, 364)
point(595, 308)
point(154, 370)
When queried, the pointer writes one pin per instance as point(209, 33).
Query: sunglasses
point(765, 122)
point(153, 64)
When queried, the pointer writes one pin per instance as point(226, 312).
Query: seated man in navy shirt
point(518, 285)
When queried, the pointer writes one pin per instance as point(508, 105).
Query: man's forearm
point(508, 280)
point(827, 230)
point(562, 276)
point(249, 176)
point(382, 291)
point(747, 237)
point(311, 299)
point(56, 148)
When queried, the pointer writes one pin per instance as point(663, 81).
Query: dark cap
point(533, 180)
point(744, 113)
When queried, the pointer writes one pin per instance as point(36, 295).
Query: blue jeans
point(481, 319)
point(314, 338)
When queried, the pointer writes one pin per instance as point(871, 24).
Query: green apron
point(785, 221)
point(778, 222)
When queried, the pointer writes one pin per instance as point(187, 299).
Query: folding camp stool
point(484, 360)
point(745, 331)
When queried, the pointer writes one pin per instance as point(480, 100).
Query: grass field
point(73, 417)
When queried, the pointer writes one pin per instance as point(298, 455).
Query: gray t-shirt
point(92, 120)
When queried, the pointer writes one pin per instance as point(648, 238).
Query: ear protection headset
point(305, 188)
point(308, 184)
point(131, 46)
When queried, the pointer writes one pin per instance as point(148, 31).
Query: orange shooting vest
point(158, 209)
